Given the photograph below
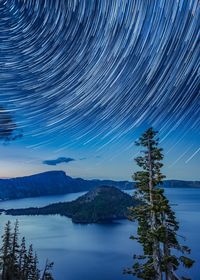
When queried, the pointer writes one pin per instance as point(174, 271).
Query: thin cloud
point(58, 161)
point(83, 158)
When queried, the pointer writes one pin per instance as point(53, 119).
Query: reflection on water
point(98, 252)
point(38, 201)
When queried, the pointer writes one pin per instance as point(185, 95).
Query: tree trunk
point(168, 273)
point(167, 253)
point(156, 245)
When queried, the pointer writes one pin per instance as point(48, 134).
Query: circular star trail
point(98, 69)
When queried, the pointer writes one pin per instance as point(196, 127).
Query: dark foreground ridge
point(57, 182)
point(101, 204)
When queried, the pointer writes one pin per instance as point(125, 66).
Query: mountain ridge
point(51, 183)
point(57, 182)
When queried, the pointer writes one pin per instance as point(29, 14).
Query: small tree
point(47, 275)
point(22, 258)
point(32, 271)
point(30, 263)
point(157, 225)
point(6, 251)
point(35, 271)
point(14, 269)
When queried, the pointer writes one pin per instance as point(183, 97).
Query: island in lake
point(102, 204)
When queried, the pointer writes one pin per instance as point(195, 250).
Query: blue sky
point(113, 161)
point(84, 79)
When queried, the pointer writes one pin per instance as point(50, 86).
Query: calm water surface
point(99, 252)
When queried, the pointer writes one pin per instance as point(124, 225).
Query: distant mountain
point(57, 182)
point(98, 205)
point(181, 184)
point(51, 183)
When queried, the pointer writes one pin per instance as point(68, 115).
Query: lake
point(99, 251)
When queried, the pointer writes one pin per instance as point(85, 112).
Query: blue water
point(99, 252)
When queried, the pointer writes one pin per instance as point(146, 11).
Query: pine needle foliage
point(157, 225)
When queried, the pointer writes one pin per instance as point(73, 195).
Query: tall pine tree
point(157, 225)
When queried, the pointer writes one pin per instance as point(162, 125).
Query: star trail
point(95, 71)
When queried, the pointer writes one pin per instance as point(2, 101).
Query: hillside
point(98, 205)
point(57, 182)
point(51, 183)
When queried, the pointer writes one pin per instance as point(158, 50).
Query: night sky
point(84, 78)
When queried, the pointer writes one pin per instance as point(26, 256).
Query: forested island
point(101, 204)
